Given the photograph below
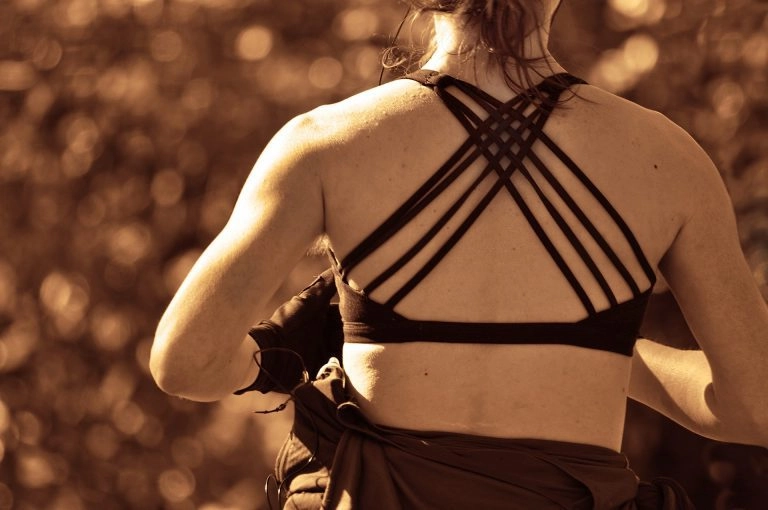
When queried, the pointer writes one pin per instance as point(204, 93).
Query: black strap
point(480, 146)
point(518, 163)
point(504, 138)
point(607, 206)
point(536, 130)
point(493, 160)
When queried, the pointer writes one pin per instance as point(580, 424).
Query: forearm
point(241, 371)
point(201, 350)
point(679, 384)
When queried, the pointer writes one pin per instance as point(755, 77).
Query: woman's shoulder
point(627, 129)
point(625, 117)
point(681, 170)
point(358, 125)
point(365, 113)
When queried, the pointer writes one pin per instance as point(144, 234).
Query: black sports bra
point(504, 139)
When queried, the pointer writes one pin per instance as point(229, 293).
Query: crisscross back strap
point(504, 138)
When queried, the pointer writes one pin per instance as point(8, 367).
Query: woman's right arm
point(721, 391)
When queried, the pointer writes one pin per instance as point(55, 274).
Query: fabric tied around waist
point(335, 458)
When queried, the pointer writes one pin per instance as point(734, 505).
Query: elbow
point(182, 383)
point(742, 429)
point(168, 361)
point(176, 373)
point(758, 429)
point(163, 379)
point(171, 374)
point(161, 361)
point(748, 430)
point(743, 421)
point(163, 371)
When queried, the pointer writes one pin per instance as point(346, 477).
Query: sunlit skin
point(378, 146)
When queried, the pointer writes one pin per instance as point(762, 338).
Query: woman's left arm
point(201, 350)
point(678, 384)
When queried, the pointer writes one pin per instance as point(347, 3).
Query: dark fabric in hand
point(309, 327)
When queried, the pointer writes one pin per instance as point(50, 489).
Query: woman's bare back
point(387, 143)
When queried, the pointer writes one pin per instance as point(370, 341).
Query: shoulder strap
point(504, 139)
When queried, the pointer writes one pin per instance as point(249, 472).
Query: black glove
point(307, 331)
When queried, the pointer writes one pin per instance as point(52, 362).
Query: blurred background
point(126, 130)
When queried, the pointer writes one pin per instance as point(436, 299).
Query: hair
point(500, 27)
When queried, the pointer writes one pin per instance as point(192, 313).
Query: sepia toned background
point(126, 130)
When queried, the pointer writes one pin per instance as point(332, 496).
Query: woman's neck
point(457, 55)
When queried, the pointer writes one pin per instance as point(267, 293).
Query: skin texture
point(375, 148)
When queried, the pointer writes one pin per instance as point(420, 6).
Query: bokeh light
point(34, 468)
point(66, 299)
point(101, 441)
point(325, 73)
point(16, 75)
point(176, 485)
point(254, 43)
point(628, 14)
point(167, 187)
point(166, 46)
point(357, 23)
point(618, 70)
